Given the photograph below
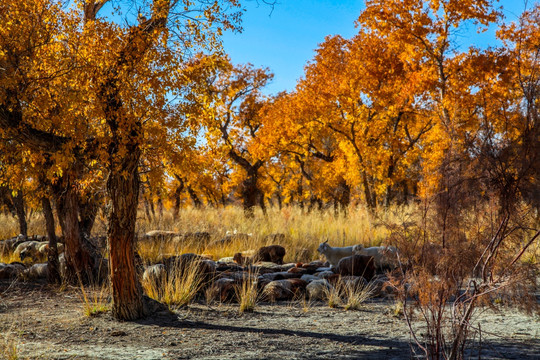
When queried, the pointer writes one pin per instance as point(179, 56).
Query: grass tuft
point(356, 295)
point(247, 294)
point(95, 303)
point(9, 347)
point(180, 287)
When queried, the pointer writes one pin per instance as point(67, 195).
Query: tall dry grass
point(9, 225)
point(303, 231)
point(179, 287)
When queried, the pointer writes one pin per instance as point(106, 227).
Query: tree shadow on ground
point(375, 347)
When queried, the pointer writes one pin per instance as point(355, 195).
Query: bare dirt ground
point(49, 324)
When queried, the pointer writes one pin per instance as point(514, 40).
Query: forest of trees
point(104, 107)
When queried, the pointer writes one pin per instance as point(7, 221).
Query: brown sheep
point(357, 265)
point(271, 253)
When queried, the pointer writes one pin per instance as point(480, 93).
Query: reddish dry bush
point(444, 278)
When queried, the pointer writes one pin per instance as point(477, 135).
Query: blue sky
point(285, 39)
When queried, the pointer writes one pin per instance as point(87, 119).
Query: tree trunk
point(279, 200)
point(177, 201)
point(193, 195)
point(123, 189)
point(81, 257)
point(249, 194)
point(18, 203)
point(53, 264)
point(370, 198)
point(88, 213)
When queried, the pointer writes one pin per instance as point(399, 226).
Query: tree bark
point(177, 200)
point(88, 213)
point(18, 203)
point(123, 190)
point(81, 257)
point(53, 264)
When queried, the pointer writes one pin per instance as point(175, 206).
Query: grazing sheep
point(385, 256)
point(283, 289)
point(334, 254)
point(357, 265)
point(44, 248)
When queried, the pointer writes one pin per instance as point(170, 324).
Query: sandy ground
point(49, 324)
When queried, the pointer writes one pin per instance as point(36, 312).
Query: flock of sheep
point(264, 266)
point(276, 280)
point(34, 248)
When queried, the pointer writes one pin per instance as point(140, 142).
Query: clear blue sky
point(285, 39)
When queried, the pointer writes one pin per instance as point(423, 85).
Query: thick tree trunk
point(249, 194)
point(123, 189)
point(53, 264)
point(82, 259)
point(81, 256)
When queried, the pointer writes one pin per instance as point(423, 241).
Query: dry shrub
point(447, 273)
point(350, 295)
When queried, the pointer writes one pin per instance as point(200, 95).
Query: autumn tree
point(36, 61)
point(232, 123)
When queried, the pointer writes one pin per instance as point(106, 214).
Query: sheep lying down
point(385, 256)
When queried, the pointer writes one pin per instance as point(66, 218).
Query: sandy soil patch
point(48, 324)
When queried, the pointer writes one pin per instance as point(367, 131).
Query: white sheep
point(334, 254)
point(44, 248)
point(155, 276)
point(385, 256)
point(29, 249)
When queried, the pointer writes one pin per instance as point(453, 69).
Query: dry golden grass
point(303, 231)
point(10, 226)
point(180, 287)
point(356, 296)
point(8, 347)
point(8, 257)
point(247, 294)
point(95, 299)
